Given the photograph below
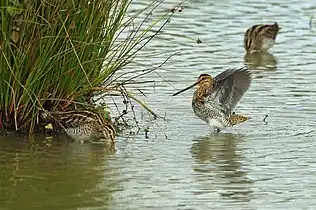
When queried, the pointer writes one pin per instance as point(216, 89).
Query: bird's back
point(260, 37)
point(84, 124)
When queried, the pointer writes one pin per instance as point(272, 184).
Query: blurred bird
point(260, 38)
point(82, 124)
point(215, 99)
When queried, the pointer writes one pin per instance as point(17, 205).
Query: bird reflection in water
point(218, 166)
point(263, 60)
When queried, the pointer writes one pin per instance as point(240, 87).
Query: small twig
point(142, 92)
point(161, 130)
point(264, 119)
point(166, 81)
point(139, 82)
point(165, 115)
point(304, 133)
point(125, 100)
point(128, 94)
point(154, 87)
point(149, 71)
point(144, 106)
point(121, 117)
point(118, 110)
point(146, 133)
point(132, 107)
point(176, 9)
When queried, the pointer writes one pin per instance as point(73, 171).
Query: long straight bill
point(187, 88)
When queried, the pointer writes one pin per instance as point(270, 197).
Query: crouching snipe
point(215, 99)
point(82, 125)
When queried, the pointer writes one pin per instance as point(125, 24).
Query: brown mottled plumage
point(83, 124)
point(260, 37)
point(215, 98)
point(236, 119)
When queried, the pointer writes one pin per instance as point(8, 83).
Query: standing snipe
point(83, 124)
point(260, 37)
point(215, 98)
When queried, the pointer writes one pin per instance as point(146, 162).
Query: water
point(182, 165)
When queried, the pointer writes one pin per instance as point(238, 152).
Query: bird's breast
point(217, 123)
point(267, 43)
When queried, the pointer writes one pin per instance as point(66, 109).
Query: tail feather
point(237, 119)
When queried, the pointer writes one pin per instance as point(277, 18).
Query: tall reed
point(58, 53)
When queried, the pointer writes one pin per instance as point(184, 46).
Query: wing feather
point(229, 87)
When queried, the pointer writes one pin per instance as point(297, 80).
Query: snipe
point(260, 38)
point(215, 99)
point(82, 124)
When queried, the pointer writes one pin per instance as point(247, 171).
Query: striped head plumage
point(203, 85)
point(215, 99)
point(83, 124)
point(260, 38)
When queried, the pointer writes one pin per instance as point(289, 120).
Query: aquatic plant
point(59, 54)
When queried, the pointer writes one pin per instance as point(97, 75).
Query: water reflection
point(218, 166)
point(39, 175)
point(260, 59)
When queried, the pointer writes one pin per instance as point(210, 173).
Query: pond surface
point(182, 165)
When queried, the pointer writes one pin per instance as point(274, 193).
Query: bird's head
point(203, 80)
point(271, 31)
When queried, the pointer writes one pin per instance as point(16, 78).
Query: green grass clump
point(57, 53)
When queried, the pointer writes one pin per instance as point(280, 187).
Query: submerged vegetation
point(58, 55)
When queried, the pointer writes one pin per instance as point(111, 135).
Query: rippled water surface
point(182, 165)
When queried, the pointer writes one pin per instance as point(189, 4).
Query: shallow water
point(182, 165)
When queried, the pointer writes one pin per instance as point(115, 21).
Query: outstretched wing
point(229, 87)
